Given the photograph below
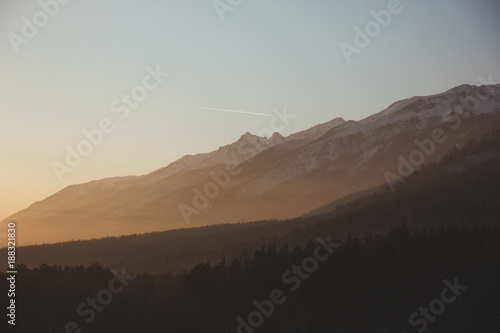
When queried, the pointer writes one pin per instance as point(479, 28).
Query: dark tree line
point(366, 285)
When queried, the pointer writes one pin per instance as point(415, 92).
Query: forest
point(425, 258)
point(374, 284)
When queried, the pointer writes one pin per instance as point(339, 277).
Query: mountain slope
point(461, 189)
point(259, 178)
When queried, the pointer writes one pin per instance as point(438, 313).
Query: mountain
point(436, 195)
point(246, 147)
point(278, 177)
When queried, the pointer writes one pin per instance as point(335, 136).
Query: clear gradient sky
point(265, 54)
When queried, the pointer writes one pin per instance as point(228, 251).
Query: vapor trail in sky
point(215, 109)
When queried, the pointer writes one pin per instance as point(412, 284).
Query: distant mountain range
point(460, 191)
point(270, 178)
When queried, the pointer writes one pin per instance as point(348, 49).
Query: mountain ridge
point(280, 177)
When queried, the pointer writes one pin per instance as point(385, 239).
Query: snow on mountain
point(436, 108)
point(246, 147)
point(367, 138)
point(313, 151)
point(316, 131)
point(281, 177)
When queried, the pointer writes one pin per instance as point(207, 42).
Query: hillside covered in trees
point(375, 284)
point(462, 189)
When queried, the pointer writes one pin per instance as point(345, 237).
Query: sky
point(231, 64)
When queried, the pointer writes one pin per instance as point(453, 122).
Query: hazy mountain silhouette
point(460, 190)
point(272, 178)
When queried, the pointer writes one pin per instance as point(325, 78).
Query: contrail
point(184, 106)
point(215, 109)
